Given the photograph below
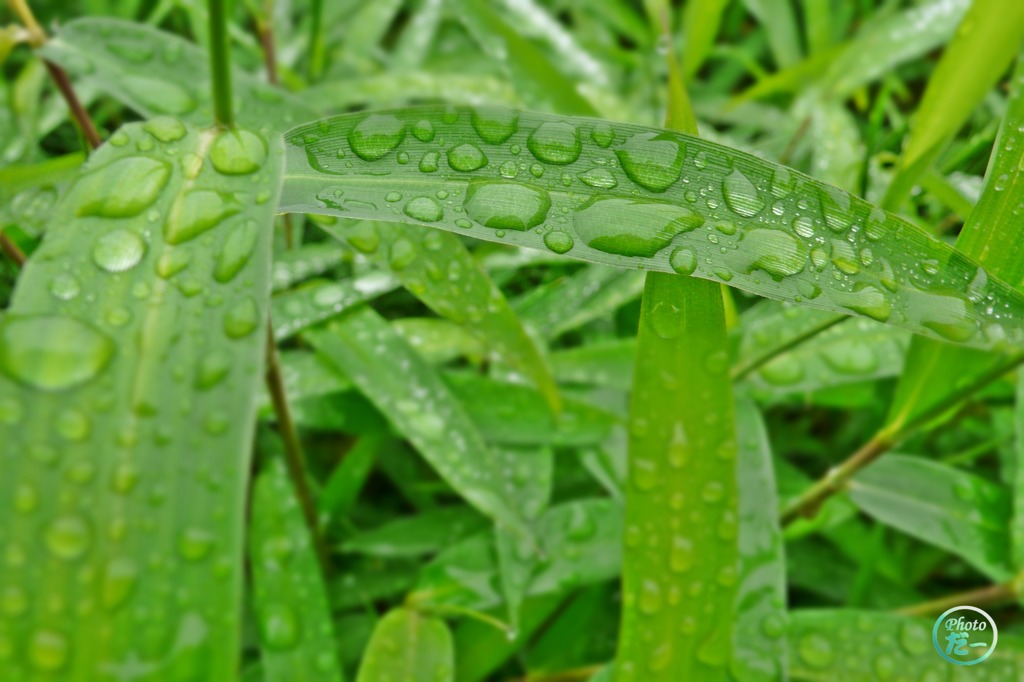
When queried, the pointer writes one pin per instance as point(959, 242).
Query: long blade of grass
point(411, 647)
point(701, 20)
point(960, 512)
point(779, 23)
point(421, 407)
point(129, 401)
point(289, 598)
point(680, 451)
point(939, 376)
point(675, 204)
point(438, 269)
point(988, 39)
point(155, 74)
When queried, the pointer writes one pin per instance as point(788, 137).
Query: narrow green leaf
point(701, 19)
point(418, 36)
point(391, 89)
point(289, 598)
point(155, 74)
point(570, 302)
point(364, 30)
point(679, 455)
point(438, 269)
point(297, 310)
point(421, 407)
point(988, 39)
point(116, 379)
point(759, 652)
point(870, 263)
point(780, 25)
point(540, 81)
point(411, 647)
point(939, 376)
point(339, 494)
point(294, 266)
point(960, 512)
point(1017, 484)
point(426, 533)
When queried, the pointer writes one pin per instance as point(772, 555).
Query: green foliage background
point(607, 340)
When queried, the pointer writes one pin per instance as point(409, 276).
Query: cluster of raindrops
point(655, 200)
point(140, 291)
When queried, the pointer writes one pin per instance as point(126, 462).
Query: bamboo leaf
point(868, 262)
point(409, 646)
point(129, 402)
point(438, 269)
point(155, 74)
point(421, 407)
point(962, 513)
point(289, 598)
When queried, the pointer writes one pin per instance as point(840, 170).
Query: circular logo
point(965, 635)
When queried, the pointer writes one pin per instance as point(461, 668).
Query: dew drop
point(238, 152)
point(160, 96)
point(683, 261)
point(428, 164)
point(376, 135)
point(52, 353)
point(494, 125)
point(138, 179)
point(652, 160)
point(279, 627)
point(67, 537)
point(815, 650)
point(235, 253)
point(119, 579)
point(72, 425)
point(194, 544)
point(741, 196)
point(774, 251)
point(49, 650)
point(466, 157)
point(598, 177)
point(506, 205)
point(602, 135)
point(401, 254)
point(558, 241)
point(242, 318)
point(196, 212)
point(423, 130)
point(425, 209)
point(650, 227)
point(165, 128)
point(555, 142)
point(666, 320)
point(65, 286)
point(118, 251)
point(213, 368)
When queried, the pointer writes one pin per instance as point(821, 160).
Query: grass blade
point(761, 618)
point(438, 269)
point(421, 407)
point(857, 259)
point(960, 512)
point(160, 421)
point(289, 598)
point(411, 647)
point(780, 25)
point(153, 72)
point(701, 20)
point(988, 39)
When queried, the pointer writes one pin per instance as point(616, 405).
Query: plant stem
point(11, 250)
point(220, 65)
point(811, 500)
point(992, 595)
point(37, 38)
point(293, 449)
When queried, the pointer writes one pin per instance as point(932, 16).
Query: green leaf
point(988, 39)
point(759, 652)
point(680, 450)
point(938, 376)
point(420, 406)
point(296, 265)
point(780, 25)
point(128, 402)
point(426, 533)
point(339, 494)
point(438, 269)
point(960, 512)
point(289, 598)
point(871, 263)
point(155, 74)
point(298, 310)
point(411, 647)
point(1017, 483)
point(701, 20)
point(570, 302)
point(848, 645)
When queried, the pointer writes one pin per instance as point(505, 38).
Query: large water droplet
point(212, 369)
point(52, 353)
point(683, 261)
point(49, 650)
point(376, 135)
point(401, 254)
point(815, 650)
point(279, 627)
point(68, 537)
point(65, 286)
point(238, 152)
point(741, 196)
point(425, 209)
point(666, 319)
point(602, 135)
point(628, 227)
point(118, 251)
point(195, 544)
point(652, 160)
point(466, 158)
point(242, 318)
point(237, 250)
point(165, 128)
point(506, 205)
point(599, 177)
point(195, 212)
point(558, 241)
point(555, 142)
point(774, 251)
point(138, 179)
point(494, 125)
